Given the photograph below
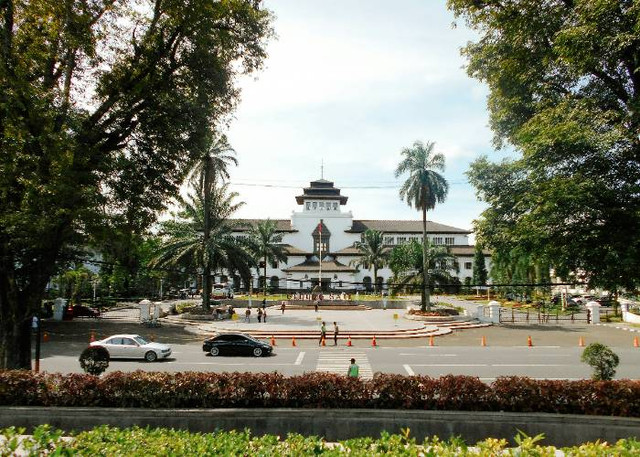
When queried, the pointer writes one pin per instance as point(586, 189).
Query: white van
point(221, 290)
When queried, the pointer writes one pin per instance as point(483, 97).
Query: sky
point(349, 84)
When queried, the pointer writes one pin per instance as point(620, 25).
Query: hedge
point(141, 389)
point(133, 442)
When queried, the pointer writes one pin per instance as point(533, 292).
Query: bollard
point(349, 341)
point(483, 341)
point(635, 341)
point(273, 341)
point(293, 341)
point(430, 340)
point(373, 341)
point(581, 342)
point(45, 337)
point(529, 342)
point(324, 343)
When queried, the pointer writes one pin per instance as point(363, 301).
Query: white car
point(133, 347)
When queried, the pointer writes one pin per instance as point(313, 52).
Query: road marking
point(526, 365)
point(452, 365)
point(537, 347)
point(299, 359)
point(428, 355)
point(338, 363)
point(230, 364)
point(408, 370)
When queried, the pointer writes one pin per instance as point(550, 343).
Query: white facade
point(321, 205)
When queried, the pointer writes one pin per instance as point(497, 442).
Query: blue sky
point(351, 83)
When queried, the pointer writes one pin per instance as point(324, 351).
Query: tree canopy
point(103, 108)
point(268, 246)
point(564, 86)
point(372, 253)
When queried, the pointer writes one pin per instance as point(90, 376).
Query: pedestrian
point(335, 333)
point(247, 315)
point(282, 307)
point(323, 333)
point(264, 316)
point(264, 303)
point(259, 315)
point(354, 370)
point(315, 305)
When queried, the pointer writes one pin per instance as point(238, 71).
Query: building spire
point(321, 168)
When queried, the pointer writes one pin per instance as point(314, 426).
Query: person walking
point(283, 306)
point(323, 333)
point(259, 315)
point(247, 315)
point(264, 316)
point(354, 370)
point(336, 330)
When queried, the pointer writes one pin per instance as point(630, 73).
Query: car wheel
point(151, 356)
point(257, 352)
point(214, 351)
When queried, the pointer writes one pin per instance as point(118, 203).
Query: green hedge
point(317, 390)
point(133, 442)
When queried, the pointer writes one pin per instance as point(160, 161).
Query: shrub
point(94, 360)
point(603, 360)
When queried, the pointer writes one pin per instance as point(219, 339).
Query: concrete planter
point(338, 424)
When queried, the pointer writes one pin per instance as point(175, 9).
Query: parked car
point(236, 344)
point(133, 347)
point(85, 311)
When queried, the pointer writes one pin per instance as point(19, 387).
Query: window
point(335, 206)
point(321, 205)
point(402, 239)
point(437, 240)
point(468, 266)
point(308, 205)
point(315, 205)
point(274, 264)
point(449, 241)
point(388, 240)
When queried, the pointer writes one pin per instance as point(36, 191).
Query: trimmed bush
point(94, 360)
point(318, 390)
point(603, 360)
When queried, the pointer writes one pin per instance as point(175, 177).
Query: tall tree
point(564, 91)
point(406, 262)
point(423, 188)
point(372, 253)
point(268, 246)
point(183, 242)
point(210, 168)
point(479, 266)
point(102, 109)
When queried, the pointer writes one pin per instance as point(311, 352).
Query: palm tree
point(184, 243)
point(209, 168)
point(268, 245)
point(422, 190)
point(373, 253)
point(406, 262)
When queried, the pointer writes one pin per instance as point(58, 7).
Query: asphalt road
point(544, 362)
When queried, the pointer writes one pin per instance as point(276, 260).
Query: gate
point(540, 316)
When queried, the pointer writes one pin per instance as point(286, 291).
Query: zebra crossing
point(338, 363)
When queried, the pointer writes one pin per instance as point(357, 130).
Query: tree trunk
point(375, 279)
point(426, 299)
point(206, 267)
point(264, 287)
point(15, 343)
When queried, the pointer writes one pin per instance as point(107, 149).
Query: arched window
point(366, 282)
point(274, 282)
point(321, 236)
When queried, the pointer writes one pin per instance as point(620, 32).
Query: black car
point(236, 344)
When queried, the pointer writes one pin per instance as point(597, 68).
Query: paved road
point(548, 362)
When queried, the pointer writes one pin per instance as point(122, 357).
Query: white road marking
point(526, 365)
point(299, 359)
point(428, 355)
point(408, 370)
point(338, 363)
point(230, 364)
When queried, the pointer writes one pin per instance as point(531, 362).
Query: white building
point(320, 226)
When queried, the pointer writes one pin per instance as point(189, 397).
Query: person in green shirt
point(353, 370)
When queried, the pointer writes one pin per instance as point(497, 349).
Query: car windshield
point(141, 341)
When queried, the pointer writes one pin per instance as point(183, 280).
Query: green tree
point(479, 266)
point(210, 168)
point(406, 263)
point(103, 106)
point(564, 91)
point(602, 359)
point(183, 242)
point(268, 246)
point(423, 188)
point(372, 253)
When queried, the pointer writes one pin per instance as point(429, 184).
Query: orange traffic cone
point(483, 341)
point(529, 342)
point(581, 342)
point(92, 337)
point(635, 342)
point(373, 341)
point(430, 340)
point(293, 341)
point(273, 341)
point(349, 341)
point(324, 343)
point(45, 337)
